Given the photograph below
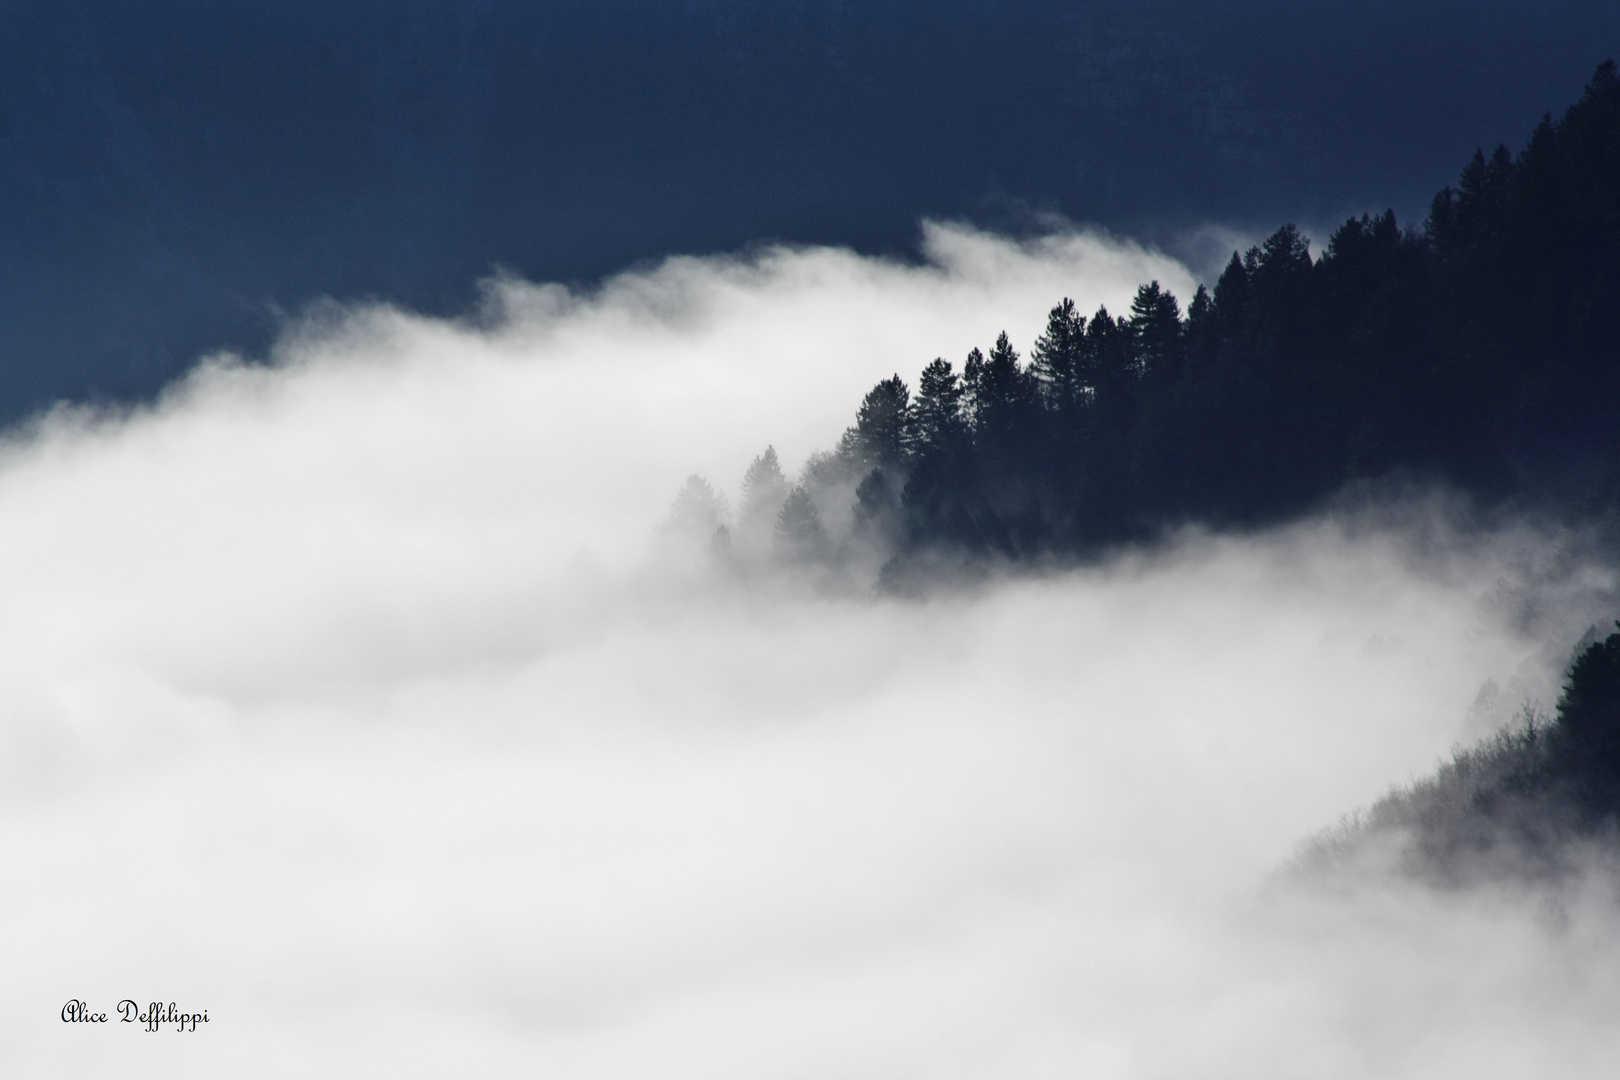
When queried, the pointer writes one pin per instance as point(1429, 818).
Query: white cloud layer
point(337, 699)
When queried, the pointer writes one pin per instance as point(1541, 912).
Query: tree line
point(1528, 802)
point(1481, 349)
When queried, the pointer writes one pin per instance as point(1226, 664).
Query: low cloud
point(340, 698)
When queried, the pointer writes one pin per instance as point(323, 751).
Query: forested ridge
point(1522, 803)
point(1480, 349)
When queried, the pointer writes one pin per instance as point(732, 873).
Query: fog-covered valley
point(353, 698)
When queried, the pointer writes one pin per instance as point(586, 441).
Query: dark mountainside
point(1529, 803)
point(1481, 352)
point(176, 177)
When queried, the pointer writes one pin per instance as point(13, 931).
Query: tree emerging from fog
point(1481, 350)
point(799, 536)
point(1524, 803)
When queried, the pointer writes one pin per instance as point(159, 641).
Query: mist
point(347, 697)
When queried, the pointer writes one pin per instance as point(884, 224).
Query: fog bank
point(343, 699)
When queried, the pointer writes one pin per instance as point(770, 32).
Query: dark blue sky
point(172, 174)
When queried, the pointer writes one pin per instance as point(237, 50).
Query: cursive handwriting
point(157, 1014)
point(154, 1016)
point(77, 1012)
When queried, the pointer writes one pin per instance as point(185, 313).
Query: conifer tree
point(1587, 733)
point(1111, 354)
point(1156, 331)
point(1285, 255)
point(972, 383)
point(1199, 333)
point(881, 436)
point(799, 534)
point(877, 509)
point(698, 518)
point(764, 489)
point(1058, 360)
point(1003, 391)
point(936, 414)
